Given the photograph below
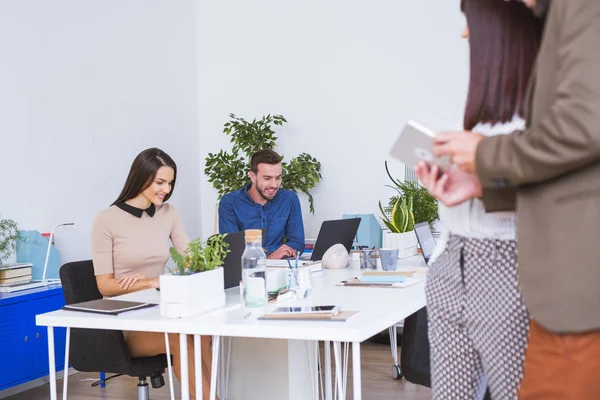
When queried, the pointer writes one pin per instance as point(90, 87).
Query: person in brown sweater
point(130, 248)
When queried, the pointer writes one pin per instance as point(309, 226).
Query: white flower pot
point(188, 295)
point(405, 242)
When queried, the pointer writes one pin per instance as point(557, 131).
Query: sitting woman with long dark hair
point(130, 247)
point(478, 322)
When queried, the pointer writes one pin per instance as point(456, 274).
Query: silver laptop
point(425, 239)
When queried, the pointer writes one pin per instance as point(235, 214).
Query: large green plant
point(229, 171)
point(425, 206)
point(9, 238)
point(200, 256)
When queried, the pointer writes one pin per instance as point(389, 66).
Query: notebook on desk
point(108, 306)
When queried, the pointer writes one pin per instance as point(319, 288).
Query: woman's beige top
point(128, 240)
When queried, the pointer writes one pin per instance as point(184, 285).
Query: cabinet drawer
point(40, 335)
point(15, 343)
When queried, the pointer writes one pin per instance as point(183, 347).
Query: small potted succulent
point(400, 227)
point(197, 283)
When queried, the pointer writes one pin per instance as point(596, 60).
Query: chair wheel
point(396, 372)
point(157, 381)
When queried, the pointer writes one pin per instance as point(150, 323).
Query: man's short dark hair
point(264, 157)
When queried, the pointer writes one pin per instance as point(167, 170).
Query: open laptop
point(333, 232)
point(425, 239)
point(232, 264)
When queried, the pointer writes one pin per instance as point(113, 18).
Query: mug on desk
point(389, 259)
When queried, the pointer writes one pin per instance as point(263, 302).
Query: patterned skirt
point(478, 323)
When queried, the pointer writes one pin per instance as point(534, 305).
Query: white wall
point(346, 75)
point(85, 85)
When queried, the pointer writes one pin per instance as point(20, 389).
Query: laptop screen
point(425, 238)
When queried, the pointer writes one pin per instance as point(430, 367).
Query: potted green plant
point(197, 282)
point(9, 238)
point(412, 204)
point(229, 171)
point(425, 206)
point(400, 225)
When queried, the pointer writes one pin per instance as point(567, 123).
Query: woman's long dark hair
point(504, 41)
point(143, 171)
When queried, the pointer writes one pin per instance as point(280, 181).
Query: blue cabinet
point(23, 344)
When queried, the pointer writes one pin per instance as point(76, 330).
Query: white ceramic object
point(405, 242)
point(336, 257)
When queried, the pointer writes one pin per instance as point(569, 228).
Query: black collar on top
point(136, 212)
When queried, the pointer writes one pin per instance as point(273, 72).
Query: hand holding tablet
point(415, 144)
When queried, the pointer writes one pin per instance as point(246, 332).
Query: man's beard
point(261, 191)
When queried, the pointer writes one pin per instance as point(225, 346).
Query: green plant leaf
point(229, 171)
point(10, 237)
point(425, 206)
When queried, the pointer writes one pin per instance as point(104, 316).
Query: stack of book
point(14, 275)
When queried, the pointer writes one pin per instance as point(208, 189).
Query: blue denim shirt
point(281, 217)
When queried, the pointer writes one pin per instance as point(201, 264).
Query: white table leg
point(51, 363)
point(328, 391)
point(198, 366)
point(226, 383)
point(339, 369)
point(66, 367)
point(183, 350)
point(316, 358)
point(356, 377)
point(215, 366)
point(394, 343)
point(221, 378)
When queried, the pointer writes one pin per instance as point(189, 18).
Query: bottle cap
point(252, 235)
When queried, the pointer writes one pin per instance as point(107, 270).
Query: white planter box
point(405, 242)
point(185, 296)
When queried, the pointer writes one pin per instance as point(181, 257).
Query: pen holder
point(293, 280)
point(368, 258)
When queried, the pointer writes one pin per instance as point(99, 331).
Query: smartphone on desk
point(415, 144)
point(329, 309)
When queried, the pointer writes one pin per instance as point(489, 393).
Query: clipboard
point(342, 316)
point(355, 282)
point(107, 306)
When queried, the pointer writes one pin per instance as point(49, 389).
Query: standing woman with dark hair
point(478, 323)
point(130, 247)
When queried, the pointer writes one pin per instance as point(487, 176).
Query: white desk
point(379, 309)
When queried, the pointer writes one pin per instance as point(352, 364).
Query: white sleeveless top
point(470, 219)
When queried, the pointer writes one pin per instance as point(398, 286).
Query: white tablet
point(415, 144)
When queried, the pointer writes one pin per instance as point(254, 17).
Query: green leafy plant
point(9, 238)
point(229, 171)
point(425, 206)
point(402, 217)
point(200, 256)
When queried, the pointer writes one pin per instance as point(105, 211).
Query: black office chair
point(414, 355)
point(97, 350)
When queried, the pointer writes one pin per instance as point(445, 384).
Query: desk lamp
point(50, 239)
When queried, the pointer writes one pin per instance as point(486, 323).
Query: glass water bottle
point(254, 268)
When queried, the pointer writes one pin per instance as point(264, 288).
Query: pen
point(291, 272)
point(296, 270)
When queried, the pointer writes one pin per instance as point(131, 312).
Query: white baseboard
point(31, 384)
